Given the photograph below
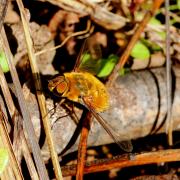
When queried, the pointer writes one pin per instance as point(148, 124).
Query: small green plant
point(4, 158)
point(3, 62)
point(101, 67)
point(107, 65)
point(140, 51)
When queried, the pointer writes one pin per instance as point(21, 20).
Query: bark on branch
point(138, 107)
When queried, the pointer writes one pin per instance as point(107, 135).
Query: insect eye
point(62, 87)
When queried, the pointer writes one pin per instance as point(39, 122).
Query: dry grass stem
point(169, 121)
point(40, 96)
point(7, 144)
point(28, 158)
point(27, 121)
point(14, 113)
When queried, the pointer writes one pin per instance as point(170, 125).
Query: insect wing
point(124, 145)
point(89, 58)
point(79, 58)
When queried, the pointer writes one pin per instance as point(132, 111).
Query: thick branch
point(138, 107)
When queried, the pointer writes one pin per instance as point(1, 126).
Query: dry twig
point(27, 122)
point(124, 161)
point(124, 57)
point(13, 113)
point(40, 96)
point(83, 146)
point(97, 13)
point(88, 28)
point(7, 143)
point(169, 121)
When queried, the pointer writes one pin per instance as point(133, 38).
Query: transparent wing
point(79, 58)
point(124, 145)
point(88, 59)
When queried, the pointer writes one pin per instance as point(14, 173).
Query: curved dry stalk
point(88, 28)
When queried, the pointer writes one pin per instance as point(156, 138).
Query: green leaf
point(86, 57)
point(155, 47)
point(162, 35)
point(124, 71)
point(151, 45)
point(107, 65)
point(4, 157)
point(178, 4)
point(89, 64)
point(3, 62)
point(140, 51)
point(154, 21)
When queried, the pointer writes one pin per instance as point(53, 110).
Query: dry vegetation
point(43, 136)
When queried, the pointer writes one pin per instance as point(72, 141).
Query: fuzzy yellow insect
point(81, 87)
